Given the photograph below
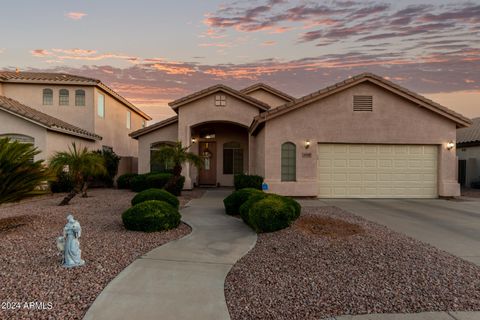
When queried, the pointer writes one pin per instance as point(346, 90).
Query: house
point(468, 153)
point(52, 110)
point(364, 137)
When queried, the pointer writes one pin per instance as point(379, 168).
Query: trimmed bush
point(270, 214)
point(242, 181)
point(158, 180)
point(150, 216)
point(63, 183)
point(139, 183)
point(175, 185)
point(123, 181)
point(156, 194)
point(233, 202)
point(294, 204)
point(247, 205)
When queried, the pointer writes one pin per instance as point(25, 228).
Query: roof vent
point(362, 103)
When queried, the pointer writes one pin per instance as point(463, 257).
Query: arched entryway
point(223, 146)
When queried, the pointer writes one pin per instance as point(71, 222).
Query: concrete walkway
point(414, 316)
point(183, 279)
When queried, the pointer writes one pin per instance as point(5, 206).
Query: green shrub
point(233, 202)
point(62, 183)
point(175, 185)
point(270, 214)
point(158, 180)
point(156, 194)
point(244, 209)
point(294, 204)
point(139, 183)
point(111, 160)
point(242, 181)
point(123, 181)
point(152, 215)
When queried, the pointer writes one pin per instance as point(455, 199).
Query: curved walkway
point(183, 279)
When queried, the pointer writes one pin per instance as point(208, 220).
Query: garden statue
point(69, 244)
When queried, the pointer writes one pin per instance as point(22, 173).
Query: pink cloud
point(75, 15)
point(40, 53)
point(76, 51)
point(269, 43)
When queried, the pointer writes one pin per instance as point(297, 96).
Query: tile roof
point(51, 123)
point(270, 89)
point(219, 87)
point(65, 78)
point(317, 95)
point(470, 134)
point(153, 127)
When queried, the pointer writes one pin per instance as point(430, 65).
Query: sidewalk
point(414, 316)
point(183, 279)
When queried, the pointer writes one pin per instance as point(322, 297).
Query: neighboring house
point(364, 137)
point(52, 110)
point(468, 153)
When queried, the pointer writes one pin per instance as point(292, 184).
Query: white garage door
point(377, 171)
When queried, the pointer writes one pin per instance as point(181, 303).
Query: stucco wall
point(394, 120)
point(204, 110)
point(113, 127)
point(32, 96)
point(61, 142)
point(472, 155)
point(259, 154)
point(11, 124)
point(166, 134)
point(267, 97)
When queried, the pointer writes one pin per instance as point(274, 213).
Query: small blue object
point(264, 186)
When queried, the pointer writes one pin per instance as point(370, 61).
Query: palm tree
point(177, 155)
point(19, 173)
point(81, 164)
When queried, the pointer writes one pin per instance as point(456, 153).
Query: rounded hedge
point(123, 182)
point(158, 180)
point(233, 202)
point(150, 216)
point(270, 214)
point(139, 183)
point(156, 194)
point(247, 205)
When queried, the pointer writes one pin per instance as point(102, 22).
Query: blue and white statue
point(69, 244)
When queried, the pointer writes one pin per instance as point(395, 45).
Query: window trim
point(129, 120)
point(45, 93)
point(285, 168)
point(220, 100)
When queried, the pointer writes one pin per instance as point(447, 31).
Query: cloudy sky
point(153, 52)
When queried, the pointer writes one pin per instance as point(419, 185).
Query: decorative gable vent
point(362, 103)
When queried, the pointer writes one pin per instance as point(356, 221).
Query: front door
point(208, 172)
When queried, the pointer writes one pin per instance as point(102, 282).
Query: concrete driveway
point(453, 226)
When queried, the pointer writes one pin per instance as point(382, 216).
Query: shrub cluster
point(175, 185)
point(263, 212)
point(149, 180)
point(156, 194)
point(62, 183)
point(150, 216)
point(123, 181)
point(242, 181)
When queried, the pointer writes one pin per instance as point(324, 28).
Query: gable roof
point(272, 90)
point(219, 87)
point(44, 120)
point(153, 127)
point(470, 135)
point(67, 79)
point(459, 119)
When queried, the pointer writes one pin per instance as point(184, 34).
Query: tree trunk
point(69, 197)
point(84, 190)
point(177, 170)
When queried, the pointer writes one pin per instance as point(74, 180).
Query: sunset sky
point(153, 52)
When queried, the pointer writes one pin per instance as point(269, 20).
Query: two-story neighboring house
point(52, 110)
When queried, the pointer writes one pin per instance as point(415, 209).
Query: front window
point(21, 139)
point(289, 162)
point(220, 100)
point(129, 119)
point(101, 106)
point(79, 98)
point(232, 158)
point(63, 97)
point(157, 164)
point(47, 97)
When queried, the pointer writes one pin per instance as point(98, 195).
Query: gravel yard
point(30, 268)
point(331, 262)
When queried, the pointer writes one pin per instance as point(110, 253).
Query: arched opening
point(289, 161)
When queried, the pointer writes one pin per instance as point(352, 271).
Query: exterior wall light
point(194, 140)
point(307, 144)
point(450, 145)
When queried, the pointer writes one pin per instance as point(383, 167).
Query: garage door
point(377, 171)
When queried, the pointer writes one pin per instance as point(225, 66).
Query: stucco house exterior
point(468, 152)
point(52, 110)
point(364, 137)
